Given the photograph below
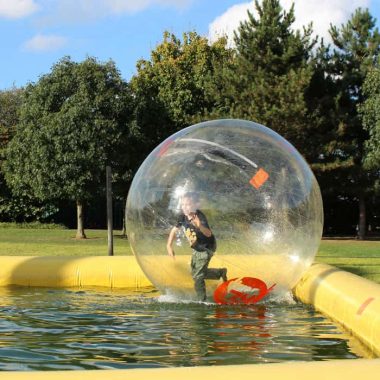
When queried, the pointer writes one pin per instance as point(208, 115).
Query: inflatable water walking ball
point(258, 195)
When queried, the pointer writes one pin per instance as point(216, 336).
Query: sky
point(36, 34)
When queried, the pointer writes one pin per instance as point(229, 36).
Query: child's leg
point(199, 264)
point(213, 274)
point(216, 274)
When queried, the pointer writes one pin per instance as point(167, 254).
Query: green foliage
point(169, 88)
point(33, 225)
point(71, 123)
point(357, 47)
point(10, 102)
point(267, 78)
point(14, 208)
point(25, 209)
point(370, 112)
point(270, 43)
point(82, 116)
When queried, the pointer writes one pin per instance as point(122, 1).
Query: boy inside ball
point(201, 240)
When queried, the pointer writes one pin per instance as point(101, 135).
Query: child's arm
point(201, 225)
point(169, 243)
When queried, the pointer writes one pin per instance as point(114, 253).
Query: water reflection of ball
point(260, 198)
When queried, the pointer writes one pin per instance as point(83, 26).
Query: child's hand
point(171, 252)
point(194, 219)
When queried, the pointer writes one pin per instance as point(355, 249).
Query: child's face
point(188, 206)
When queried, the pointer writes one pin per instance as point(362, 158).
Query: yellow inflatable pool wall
point(363, 369)
point(57, 271)
point(350, 300)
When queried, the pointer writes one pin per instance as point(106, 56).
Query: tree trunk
point(362, 217)
point(80, 229)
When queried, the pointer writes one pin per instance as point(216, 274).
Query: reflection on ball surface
point(254, 190)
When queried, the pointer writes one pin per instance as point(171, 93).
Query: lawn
point(359, 257)
point(58, 242)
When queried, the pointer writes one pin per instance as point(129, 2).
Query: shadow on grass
point(120, 236)
point(368, 271)
point(353, 238)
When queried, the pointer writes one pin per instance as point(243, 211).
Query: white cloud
point(17, 8)
point(42, 43)
point(230, 20)
point(321, 12)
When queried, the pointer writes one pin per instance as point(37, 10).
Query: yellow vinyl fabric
point(351, 300)
point(362, 369)
point(91, 271)
point(346, 298)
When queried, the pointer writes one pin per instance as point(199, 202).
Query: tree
point(70, 128)
point(13, 208)
point(356, 49)
point(267, 78)
point(169, 88)
point(369, 111)
point(9, 105)
point(10, 102)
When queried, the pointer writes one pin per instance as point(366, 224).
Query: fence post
point(109, 210)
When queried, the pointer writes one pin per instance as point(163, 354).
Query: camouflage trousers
point(201, 272)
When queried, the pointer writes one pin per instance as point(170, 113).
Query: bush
point(34, 225)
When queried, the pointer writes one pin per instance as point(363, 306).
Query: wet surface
point(42, 329)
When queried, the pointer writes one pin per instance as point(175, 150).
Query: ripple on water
point(63, 329)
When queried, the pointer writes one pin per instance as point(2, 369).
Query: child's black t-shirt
point(197, 240)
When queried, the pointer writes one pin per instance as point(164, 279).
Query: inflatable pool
point(346, 298)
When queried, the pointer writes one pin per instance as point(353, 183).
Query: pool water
point(42, 329)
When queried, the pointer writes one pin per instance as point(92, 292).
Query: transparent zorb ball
point(261, 200)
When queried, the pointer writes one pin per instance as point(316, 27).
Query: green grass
point(52, 242)
point(359, 257)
